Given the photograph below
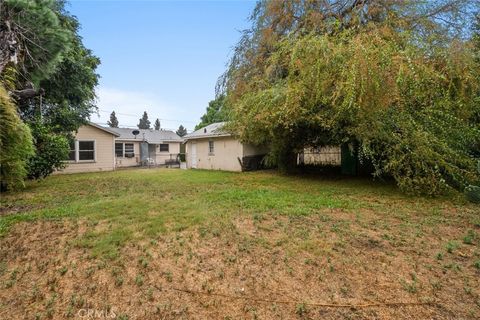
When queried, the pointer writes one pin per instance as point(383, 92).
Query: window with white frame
point(119, 149)
point(164, 147)
point(86, 150)
point(125, 150)
point(129, 152)
point(82, 150)
point(211, 147)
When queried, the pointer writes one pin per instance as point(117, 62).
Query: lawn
point(178, 244)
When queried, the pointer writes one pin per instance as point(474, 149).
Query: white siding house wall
point(104, 156)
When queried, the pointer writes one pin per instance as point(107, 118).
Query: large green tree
point(50, 74)
point(393, 77)
point(216, 112)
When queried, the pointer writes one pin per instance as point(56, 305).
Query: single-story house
point(152, 146)
point(214, 148)
point(97, 148)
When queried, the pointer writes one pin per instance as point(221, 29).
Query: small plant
point(118, 281)
point(451, 246)
point(439, 256)
point(143, 262)
point(9, 283)
point(139, 280)
point(477, 264)
point(168, 275)
point(301, 309)
point(409, 287)
point(63, 270)
point(150, 294)
point(468, 239)
point(89, 272)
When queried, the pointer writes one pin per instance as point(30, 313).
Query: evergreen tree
point(157, 124)
point(144, 123)
point(181, 131)
point(113, 123)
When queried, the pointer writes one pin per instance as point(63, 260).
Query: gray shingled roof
point(151, 136)
point(210, 131)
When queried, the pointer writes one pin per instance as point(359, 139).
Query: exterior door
point(151, 151)
point(143, 151)
point(193, 155)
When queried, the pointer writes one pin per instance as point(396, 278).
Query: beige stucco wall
point(129, 162)
point(225, 157)
point(104, 153)
point(173, 149)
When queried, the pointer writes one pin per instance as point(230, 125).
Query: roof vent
point(204, 130)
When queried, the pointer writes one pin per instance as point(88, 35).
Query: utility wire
point(135, 127)
point(136, 116)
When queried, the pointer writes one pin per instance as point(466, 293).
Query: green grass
point(131, 205)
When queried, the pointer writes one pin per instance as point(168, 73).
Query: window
point(71, 153)
point(119, 149)
point(86, 150)
point(82, 151)
point(129, 153)
point(211, 147)
point(164, 147)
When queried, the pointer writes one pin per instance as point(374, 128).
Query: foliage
point(69, 96)
point(144, 123)
point(409, 99)
point(157, 124)
point(51, 150)
point(181, 132)
point(216, 112)
point(47, 53)
point(113, 122)
point(15, 144)
point(36, 35)
point(67, 104)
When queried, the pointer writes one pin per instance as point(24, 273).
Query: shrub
point(15, 144)
point(51, 150)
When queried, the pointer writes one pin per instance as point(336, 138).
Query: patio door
point(152, 151)
point(193, 155)
point(143, 151)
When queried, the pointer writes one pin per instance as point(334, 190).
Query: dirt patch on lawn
point(16, 209)
point(268, 267)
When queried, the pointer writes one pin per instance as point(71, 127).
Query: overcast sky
point(160, 56)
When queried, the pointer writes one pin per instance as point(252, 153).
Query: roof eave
point(208, 136)
point(104, 129)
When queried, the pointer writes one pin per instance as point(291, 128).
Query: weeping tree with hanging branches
point(397, 78)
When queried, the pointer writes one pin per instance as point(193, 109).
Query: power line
point(136, 116)
point(135, 127)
